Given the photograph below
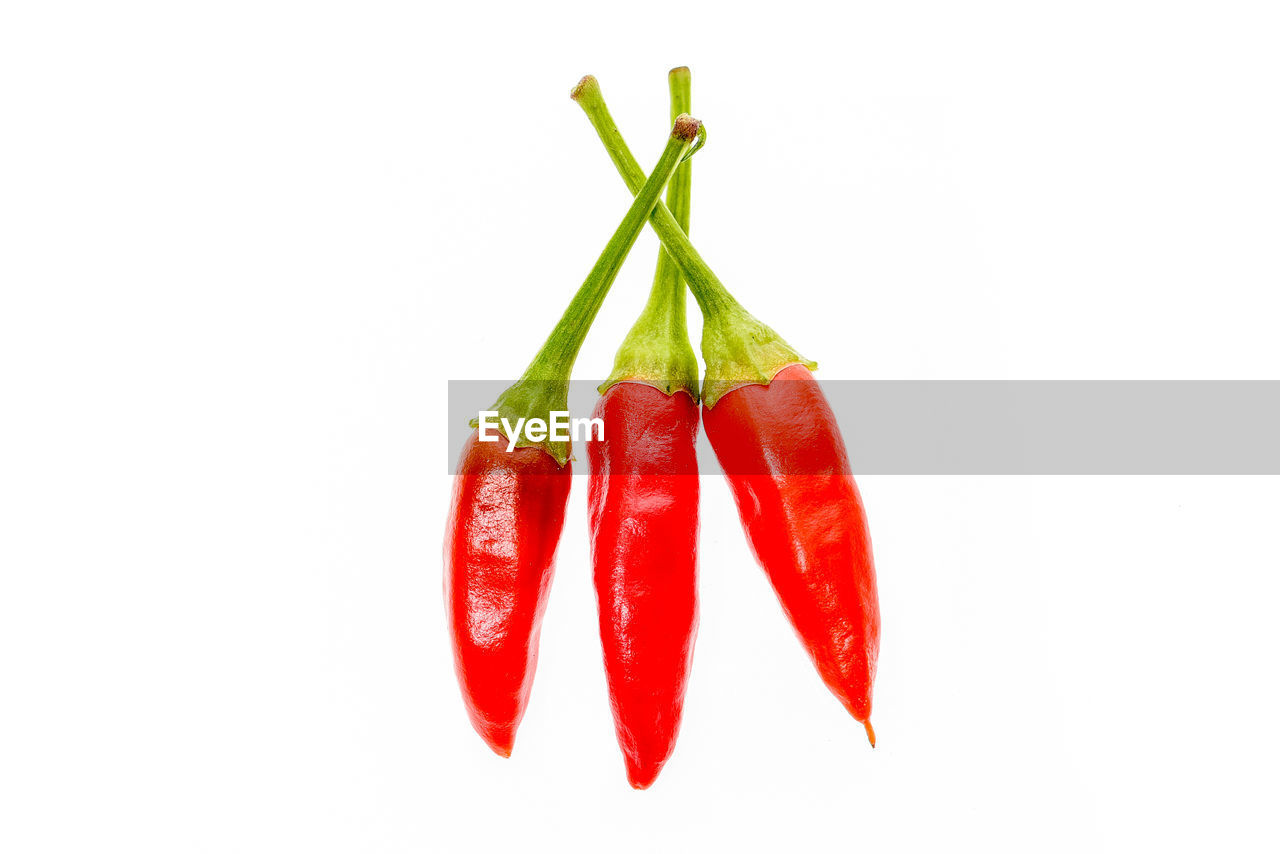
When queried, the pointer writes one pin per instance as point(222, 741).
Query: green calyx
point(544, 387)
point(737, 348)
point(657, 350)
point(740, 350)
point(651, 354)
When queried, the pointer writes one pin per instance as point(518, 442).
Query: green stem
point(707, 289)
point(738, 349)
point(544, 386)
point(680, 82)
point(657, 350)
point(679, 193)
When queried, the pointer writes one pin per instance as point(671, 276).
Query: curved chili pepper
point(508, 508)
point(786, 464)
point(643, 510)
point(781, 449)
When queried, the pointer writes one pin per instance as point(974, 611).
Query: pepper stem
point(738, 349)
point(544, 386)
point(707, 288)
point(657, 350)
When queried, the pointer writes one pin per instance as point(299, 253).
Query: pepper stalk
point(544, 386)
point(738, 349)
point(657, 350)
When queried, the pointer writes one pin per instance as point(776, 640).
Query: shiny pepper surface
point(643, 500)
point(786, 464)
point(505, 522)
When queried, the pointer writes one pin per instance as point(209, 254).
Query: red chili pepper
point(643, 502)
point(785, 461)
point(508, 508)
point(504, 525)
point(780, 447)
point(644, 540)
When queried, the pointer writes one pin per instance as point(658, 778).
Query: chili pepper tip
point(871, 733)
point(500, 739)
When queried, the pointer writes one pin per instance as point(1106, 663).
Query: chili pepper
point(508, 508)
point(643, 504)
point(786, 464)
point(781, 451)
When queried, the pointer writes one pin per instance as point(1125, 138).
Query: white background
point(245, 245)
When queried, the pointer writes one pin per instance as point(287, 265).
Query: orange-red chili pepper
point(785, 461)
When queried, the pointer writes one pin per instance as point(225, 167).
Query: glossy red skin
point(499, 554)
point(786, 463)
point(643, 506)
